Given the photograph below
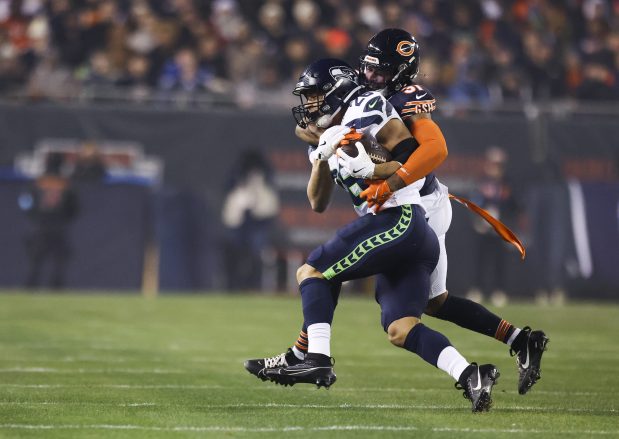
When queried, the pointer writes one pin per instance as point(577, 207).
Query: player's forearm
point(396, 138)
point(395, 182)
point(320, 186)
point(309, 135)
point(385, 170)
point(424, 160)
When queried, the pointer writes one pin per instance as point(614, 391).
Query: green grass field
point(119, 366)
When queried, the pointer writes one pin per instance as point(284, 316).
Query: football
point(377, 153)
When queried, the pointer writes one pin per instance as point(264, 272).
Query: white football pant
point(438, 212)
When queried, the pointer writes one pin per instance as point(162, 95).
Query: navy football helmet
point(325, 87)
point(394, 53)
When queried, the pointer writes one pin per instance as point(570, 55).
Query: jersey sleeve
point(414, 99)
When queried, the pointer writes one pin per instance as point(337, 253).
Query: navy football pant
point(397, 245)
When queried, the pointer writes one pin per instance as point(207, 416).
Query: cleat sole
point(259, 375)
point(484, 404)
point(285, 380)
point(534, 374)
point(324, 383)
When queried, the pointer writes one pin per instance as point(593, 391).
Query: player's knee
point(306, 271)
point(435, 304)
point(399, 329)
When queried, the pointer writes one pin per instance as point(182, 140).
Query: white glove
point(360, 166)
point(328, 142)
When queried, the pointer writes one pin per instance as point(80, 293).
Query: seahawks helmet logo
point(338, 72)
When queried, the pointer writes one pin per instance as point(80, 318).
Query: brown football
point(377, 153)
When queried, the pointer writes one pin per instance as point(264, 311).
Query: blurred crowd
point(250, 52)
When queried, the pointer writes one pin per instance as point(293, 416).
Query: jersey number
point(412, 89)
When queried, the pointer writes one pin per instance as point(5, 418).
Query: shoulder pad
point(413, 99)
point(369, 108)
point(374, 99)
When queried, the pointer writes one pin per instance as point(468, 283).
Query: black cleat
point(316, 369)
point(529, 359)
point(258, 367)
point(476, 383)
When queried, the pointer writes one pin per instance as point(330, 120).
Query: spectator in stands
point(507, 81)
point(89, 165)
point(15, 46)
point(487, 51)
point(135, 78)
point(228, 20)
point(598, 81)
point(11, 69)
point(273, 29)
point(543, 68)
point(307, 18)
point(51, 205)
point(298, 53)
point(392, 14)
point(337, 43)
point(166, 38)
point(249, 214)
point(183, 72)
point(494, 194)
point(141, 36)
point(468, 86)
point(370, 15)
point(51, 79)
point(213, 63)
point(99, 71)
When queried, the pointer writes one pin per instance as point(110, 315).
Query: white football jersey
point(369, 113)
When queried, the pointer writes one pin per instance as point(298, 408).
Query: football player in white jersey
point(390, 65)
point(395, 244)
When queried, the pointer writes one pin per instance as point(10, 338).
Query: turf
point(97, 365)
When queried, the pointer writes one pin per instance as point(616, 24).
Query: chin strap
point(501, 229)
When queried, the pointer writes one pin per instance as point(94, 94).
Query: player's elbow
point(439, 152)
point(441, 146)
point(319, 206)
point(443, 152)
point(318, 201)
point(438, 145)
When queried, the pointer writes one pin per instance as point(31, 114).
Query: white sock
point(452, 362)
point(512, 337)
point(319, 339)
point(298, 353)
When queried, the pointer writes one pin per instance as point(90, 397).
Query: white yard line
point(544, 409)
point(277, 388)
point(222, 429)
point(79, 403)
point(115, 386)
point(84, 370)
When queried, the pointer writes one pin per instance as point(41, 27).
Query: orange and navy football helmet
point(394, 53)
